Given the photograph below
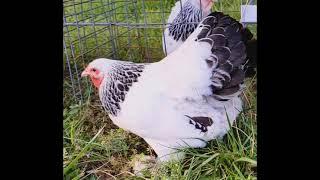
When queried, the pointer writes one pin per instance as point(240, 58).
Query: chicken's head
point(96, 70)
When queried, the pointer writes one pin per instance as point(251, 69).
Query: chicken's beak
point(85, 73)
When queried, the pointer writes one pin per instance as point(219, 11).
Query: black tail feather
point(233, 49)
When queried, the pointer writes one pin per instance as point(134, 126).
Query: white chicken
point(183, 100)
point(184, 18)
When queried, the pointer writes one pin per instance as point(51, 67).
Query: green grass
point(94, 148)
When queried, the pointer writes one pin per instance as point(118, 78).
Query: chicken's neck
point(185, 22)
point(114, 88)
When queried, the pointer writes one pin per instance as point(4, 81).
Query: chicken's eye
point(94, 70)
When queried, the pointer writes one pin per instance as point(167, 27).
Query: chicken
point(184, 100)
point(185, 16)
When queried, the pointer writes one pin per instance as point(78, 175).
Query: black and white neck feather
point(120, 77)
point(185, 22)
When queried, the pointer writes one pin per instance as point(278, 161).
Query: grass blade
point(208, 160)
point(245, 159)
